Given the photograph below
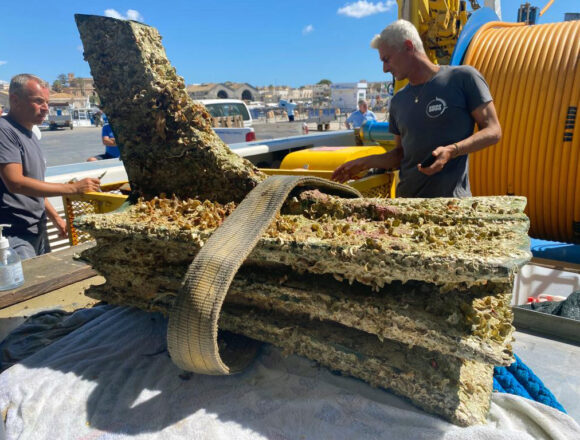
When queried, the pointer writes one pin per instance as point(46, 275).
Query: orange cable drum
point(534, 76)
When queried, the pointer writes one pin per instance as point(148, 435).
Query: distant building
point(321, 94)
point(244, 91)
point(80, 87)
point(300, 94)
point(345, 96)
point(227, 90)
point(273, 94)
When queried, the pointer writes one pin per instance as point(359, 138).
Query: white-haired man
point(432, 118)
point(22, 167)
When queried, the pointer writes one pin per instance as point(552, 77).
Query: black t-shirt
point(437, 113)
point(19, 145)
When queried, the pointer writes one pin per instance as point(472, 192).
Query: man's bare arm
point(387, 161)
point(109, 141)
point(17, 183)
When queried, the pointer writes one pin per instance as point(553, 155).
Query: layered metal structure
point(410, 295)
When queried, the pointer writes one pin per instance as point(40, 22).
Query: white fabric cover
point(112, 379)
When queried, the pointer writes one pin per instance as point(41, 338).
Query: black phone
point(428, 162)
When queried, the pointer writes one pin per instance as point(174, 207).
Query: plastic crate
point(76, 205)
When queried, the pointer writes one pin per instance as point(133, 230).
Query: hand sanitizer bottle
point(11, 275)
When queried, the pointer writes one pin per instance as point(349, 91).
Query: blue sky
point(260, 42)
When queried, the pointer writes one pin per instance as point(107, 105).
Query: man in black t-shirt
point(432, 117)
point(22, 167)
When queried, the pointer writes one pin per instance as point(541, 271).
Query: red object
point(250, 136)
point(305, 128)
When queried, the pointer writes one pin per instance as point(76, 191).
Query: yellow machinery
point(439, 23)
point(325, 158)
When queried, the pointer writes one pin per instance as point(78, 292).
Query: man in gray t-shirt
point(432, 117)
point(22, 188)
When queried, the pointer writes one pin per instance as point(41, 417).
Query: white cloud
point(131, 14)
point(307, 29)
point(3, 62)
point(113, 14)
point(363, 8)
point(80, 48)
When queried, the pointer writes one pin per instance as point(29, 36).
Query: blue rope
point(520, 380)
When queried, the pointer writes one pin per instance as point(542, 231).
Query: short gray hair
point(18, 83)
point(395, 35)
point(362, 101)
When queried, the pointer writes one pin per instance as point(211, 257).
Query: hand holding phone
point(429, 161)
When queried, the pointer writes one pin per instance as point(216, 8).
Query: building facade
point(227, 90)
point(345, 96)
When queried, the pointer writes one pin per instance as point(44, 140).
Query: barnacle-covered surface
point(372, 241)
point(476, 326)
point(458, 315)
point(168, 145)
point(456, 389)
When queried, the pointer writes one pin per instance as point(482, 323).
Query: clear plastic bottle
point(11, 275)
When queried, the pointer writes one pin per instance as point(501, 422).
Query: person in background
point(289, 106)
point(432, 119)
point(98, 119)
point(111, 148)
point(23, 191)
point(358, 118)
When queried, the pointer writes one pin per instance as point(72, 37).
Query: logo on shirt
point(436, 108)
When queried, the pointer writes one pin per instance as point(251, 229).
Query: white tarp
point(112, 378)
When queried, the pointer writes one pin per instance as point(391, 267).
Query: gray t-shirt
point(441, 117)
point(19, 145)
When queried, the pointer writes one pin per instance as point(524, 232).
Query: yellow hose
point(534, 76)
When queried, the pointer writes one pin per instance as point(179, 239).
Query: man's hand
point(87, 185)
point(442, 155)
point(349, 170)
point(60, 226)
point(57, 220)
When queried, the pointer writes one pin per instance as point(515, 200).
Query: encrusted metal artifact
point(408, 294)
point(167, 143)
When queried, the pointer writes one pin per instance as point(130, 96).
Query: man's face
point(363, 107)
point(395, 61)
point(31, 107)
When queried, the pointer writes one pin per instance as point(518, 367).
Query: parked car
point(59, 115)
point(225, 108)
